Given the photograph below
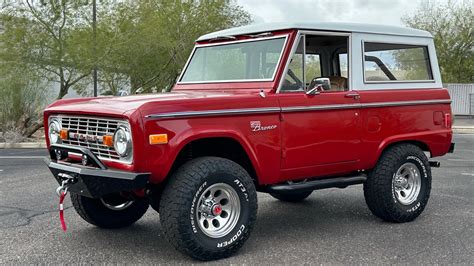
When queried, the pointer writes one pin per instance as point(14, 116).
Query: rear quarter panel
point(383, 126)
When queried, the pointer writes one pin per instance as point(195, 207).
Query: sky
point(386, 12)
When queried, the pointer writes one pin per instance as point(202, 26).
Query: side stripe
point(269, 110)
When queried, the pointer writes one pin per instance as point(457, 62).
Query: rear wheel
point(112, 211)
point(398, 189)
point(209, 208)
point(296, 196)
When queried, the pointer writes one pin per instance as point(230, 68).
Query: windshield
point(254, 60)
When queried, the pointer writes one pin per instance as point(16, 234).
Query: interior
point(319, 62)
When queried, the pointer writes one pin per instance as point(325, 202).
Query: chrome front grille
point(88, 132)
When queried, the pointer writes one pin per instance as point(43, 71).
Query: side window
point(294, 76)
point(312, 67)
point(343, 65)
point(396, 62)
point(315, 64)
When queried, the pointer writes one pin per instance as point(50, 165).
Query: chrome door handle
point(353, 95)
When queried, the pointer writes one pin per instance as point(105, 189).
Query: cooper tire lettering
point(185, 197)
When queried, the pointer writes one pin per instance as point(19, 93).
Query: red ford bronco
point(282, 108)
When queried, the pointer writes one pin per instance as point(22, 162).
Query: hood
point(121, 106)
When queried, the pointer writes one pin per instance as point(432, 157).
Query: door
point(320, 132)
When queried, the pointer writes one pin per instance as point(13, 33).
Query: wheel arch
point(420, 144)
point(225, 145)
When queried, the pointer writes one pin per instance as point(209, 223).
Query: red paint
point(303, 144)
point(216, 210)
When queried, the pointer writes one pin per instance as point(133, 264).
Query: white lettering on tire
point(193, 203)
point(425, 173)
point(242, 188)
point(232, 239)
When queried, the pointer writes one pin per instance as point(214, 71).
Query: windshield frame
point(197, 46)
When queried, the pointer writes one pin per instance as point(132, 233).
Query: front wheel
point(209, 208)
point(112, 211)
point(398, 189)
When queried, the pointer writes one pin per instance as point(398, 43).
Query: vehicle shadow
point(322, 216)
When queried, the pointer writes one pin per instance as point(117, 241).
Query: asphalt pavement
point(333, 226)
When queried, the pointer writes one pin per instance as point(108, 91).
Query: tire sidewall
point(96, 213)
point(423, 167)
point(247, 205)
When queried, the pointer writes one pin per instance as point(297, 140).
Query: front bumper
point(93, 180)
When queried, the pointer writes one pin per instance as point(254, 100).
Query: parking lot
point(332, 226)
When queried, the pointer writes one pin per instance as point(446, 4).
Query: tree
point(452, 26)
point(41, 33)
point(22, 98)
point(153, 39)
point(144, 43)
point(40, 37)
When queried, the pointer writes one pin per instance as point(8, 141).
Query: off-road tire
point(179, 203)
point(95, 212)
point(296, 196)
point(379, 190)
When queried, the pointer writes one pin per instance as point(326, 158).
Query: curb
point(463, 130)
point(23, 145)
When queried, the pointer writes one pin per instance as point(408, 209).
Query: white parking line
point(22, 157)
point(460, 160)
point(469, 174)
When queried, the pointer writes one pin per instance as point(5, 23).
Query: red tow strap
point(61, 210)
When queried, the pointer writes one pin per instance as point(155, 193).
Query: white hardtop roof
point(319, 26)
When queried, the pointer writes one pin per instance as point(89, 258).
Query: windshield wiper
point(264, 34)
point(224, 37)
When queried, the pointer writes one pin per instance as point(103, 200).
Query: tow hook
point(66, 181)
point(61, 191)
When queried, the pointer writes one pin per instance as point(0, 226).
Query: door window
point(294, 76)
point(318, 63)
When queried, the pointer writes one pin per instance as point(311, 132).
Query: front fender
point(262, 148)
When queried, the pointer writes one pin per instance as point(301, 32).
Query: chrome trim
point(268, 110)
point(362, 105)
point(402, 103)
point(221, 112)
point(76, 142)
point(285, 36)
point(322, 33)
point(396, 81)
point(319, 107)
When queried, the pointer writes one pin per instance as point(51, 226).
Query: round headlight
point(122, 141)
point(54, 131)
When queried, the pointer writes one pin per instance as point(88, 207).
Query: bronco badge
point(257, 126)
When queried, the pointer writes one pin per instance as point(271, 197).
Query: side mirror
point(316, 90)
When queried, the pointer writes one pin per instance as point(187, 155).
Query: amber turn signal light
point(63, 134)
point(108, 140)
point(159, 139)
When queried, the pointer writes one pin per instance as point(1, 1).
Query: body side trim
point(267, 110)
point(217, 112)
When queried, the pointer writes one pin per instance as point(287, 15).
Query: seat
point(338, 83)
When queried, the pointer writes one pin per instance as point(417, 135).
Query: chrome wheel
point(116, 202)
point(218, 210)
point(407, 183)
